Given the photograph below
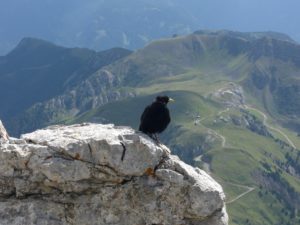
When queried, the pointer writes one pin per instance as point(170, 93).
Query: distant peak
point(33, 41)
point(30, 44)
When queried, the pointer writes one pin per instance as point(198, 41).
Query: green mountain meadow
point(236, 112)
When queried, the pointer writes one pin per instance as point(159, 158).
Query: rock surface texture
point(92, 174)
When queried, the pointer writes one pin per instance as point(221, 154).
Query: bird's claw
point(155, 138)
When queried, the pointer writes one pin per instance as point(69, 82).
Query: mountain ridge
point(249, 35)
point(224, 88)
point(172, 56)
point(104, 24)
point(35, 74)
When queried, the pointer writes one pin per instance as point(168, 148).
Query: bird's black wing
point(155, 118)
point(164, 119)
point(143, 119)
point(144, 115)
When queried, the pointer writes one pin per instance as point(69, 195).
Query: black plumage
point(156, 117)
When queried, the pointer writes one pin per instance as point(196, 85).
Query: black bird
point(156, 117)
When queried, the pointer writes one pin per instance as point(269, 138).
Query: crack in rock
point(102, 174)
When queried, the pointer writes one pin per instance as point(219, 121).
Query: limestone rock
point(93, 174)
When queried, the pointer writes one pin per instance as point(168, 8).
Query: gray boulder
point(93, 174)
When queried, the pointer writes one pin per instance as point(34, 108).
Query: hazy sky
point(81, 22)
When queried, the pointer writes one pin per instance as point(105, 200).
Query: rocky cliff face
point(102, 174)
point(95, 91)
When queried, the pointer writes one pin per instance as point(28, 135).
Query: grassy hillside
point(225, 119)
point(245, 159)
point(236, 112)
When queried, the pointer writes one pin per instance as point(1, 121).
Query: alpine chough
point(156, 117)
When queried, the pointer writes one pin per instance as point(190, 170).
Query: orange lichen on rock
point(77, 156)
point(150, 172)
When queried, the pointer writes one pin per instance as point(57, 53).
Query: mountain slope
point(227, 117)
point(36, 71)
point(267, 67)
point(231, 91)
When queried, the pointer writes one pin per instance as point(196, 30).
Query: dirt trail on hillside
point(265, 118)
point(249, 189)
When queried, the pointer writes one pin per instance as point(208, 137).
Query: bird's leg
point(156, 138)
point(150, 135)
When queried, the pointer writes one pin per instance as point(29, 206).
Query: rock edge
point(102, 174)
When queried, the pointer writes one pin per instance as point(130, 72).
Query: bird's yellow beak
point(171, 100)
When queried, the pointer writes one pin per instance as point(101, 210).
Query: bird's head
point(164, 99)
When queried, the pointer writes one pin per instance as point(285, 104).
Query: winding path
point(223, 138)
point(265, 118)
point(249, 189)
point(270, 127)
point(220, 136)
point(223, 111)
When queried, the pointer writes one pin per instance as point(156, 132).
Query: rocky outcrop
point(98, 89)
point(251, 122)
point(102, 174)
point(231, 95)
